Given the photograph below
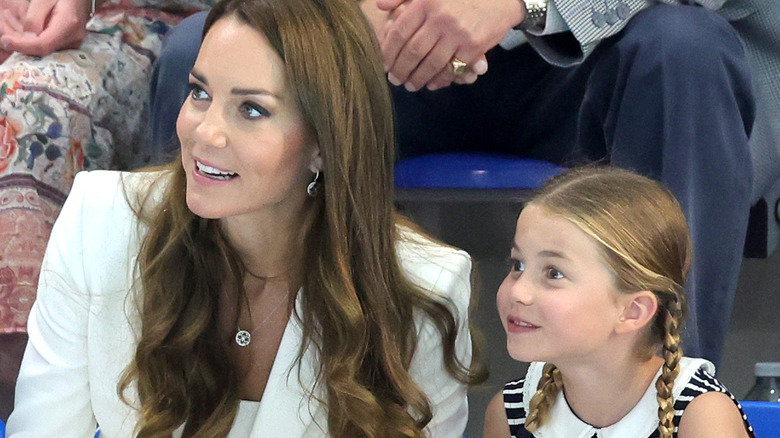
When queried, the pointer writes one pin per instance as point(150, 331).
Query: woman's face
point(244, 145)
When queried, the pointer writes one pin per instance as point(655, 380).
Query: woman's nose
point(211, 129)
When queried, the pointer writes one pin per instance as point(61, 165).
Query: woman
point(74, 92)
point(273, 292)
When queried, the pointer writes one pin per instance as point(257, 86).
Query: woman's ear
point(316, 160)
point(639, 309)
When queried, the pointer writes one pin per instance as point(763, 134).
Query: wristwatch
point(536, 15)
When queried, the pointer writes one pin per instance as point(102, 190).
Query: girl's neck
point(601, 396)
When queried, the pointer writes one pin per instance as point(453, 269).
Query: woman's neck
point(266, 248)
point(604, 394)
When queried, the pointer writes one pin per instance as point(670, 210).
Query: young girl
point(594, 299)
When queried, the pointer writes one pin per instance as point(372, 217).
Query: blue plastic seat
point(764, 416)
point(472, 171)
point(469, 200)
point(2, 430)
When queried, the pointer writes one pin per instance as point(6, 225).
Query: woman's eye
point(553, 274)
point(197, 92)
point(252, 110)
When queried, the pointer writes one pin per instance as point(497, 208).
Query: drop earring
point(313, 188)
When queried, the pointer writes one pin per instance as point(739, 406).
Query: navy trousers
point(669, 96)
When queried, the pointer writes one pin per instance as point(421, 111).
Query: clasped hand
point(39, 27)
point(420, 38)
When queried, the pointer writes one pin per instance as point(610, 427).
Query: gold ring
point(458, 67)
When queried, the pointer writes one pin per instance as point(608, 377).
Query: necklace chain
point(244, 337)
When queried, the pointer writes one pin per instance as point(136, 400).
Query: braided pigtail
point(541, 403)
point(670, 316)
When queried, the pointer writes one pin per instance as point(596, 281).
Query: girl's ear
point(316, 160)
point(639, 309)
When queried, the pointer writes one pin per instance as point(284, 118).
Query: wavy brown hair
point(358, 306)
point(643, 238)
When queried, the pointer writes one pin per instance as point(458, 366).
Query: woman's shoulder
point(414, 245)
point(101, 206)
point(98, 186)
point(431, 264)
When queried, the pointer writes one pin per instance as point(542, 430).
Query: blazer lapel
point(286, 408)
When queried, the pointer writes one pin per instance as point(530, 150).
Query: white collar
point(642, 420)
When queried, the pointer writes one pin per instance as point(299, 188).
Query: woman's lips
point(213, 172)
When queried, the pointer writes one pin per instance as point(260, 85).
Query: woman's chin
point(200, 209)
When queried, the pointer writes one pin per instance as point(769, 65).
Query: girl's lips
point(517, 325)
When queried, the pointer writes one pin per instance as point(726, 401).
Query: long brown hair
point(643, 238)
point(358, 306)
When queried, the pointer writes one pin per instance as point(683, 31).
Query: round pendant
point(243, 338)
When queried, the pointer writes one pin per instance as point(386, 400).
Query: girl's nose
point(522, 290)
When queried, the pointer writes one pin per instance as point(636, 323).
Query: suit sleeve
point(52, 391)
point(447, 396)
point(590, 22)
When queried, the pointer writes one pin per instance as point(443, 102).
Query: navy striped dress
point(696, 378)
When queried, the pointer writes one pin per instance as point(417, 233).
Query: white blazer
point(83, 326)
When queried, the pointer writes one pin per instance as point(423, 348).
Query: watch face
point(536, 15)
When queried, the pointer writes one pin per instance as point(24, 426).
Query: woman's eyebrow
point(236, 90)
point(253, 91)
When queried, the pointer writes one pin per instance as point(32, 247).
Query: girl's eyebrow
point(552, 254)
point(543, 253)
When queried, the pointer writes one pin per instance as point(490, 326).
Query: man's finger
point(40, 45)
point(12, 22)
point(438, 59)
point(388, 5)
point(37, 14)
point(397, 32)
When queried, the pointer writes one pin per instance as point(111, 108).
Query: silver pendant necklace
point(244, 337)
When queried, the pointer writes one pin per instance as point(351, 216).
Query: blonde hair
point(643, 237)
point(358, 306)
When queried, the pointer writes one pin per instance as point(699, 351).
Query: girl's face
point(244, 146)
point(558, 303)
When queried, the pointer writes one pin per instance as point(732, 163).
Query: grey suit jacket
point(758, 24)
point(591, 21)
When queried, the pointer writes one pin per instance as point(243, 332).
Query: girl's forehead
point(541, 232)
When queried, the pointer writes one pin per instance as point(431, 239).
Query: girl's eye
point(197, 92)
point(252, 110)
point(553, 274)
point(516, 265)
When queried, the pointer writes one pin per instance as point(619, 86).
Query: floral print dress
point(69, 111)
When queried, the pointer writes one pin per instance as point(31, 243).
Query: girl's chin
point(522, 354)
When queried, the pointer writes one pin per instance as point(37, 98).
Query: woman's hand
point(44, 27)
